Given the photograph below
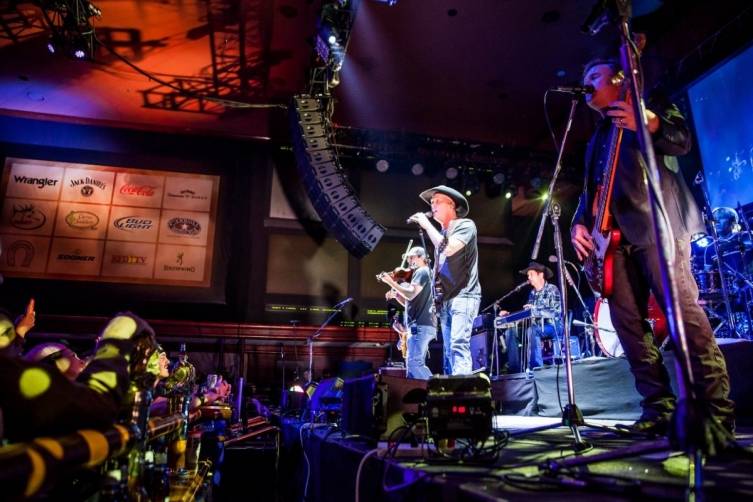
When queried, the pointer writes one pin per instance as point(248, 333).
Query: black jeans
point(636, 274)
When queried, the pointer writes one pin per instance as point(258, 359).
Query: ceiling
point(471, 69)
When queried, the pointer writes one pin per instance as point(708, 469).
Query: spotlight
point(51, 47)
point(382, 165)
point(508, 194)
point(451, 173)
point(332, 39)
point(498, 178)
point(79, 54)
point(417, 169)
point(468, 193)
point(544, 196)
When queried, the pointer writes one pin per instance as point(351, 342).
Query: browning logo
point(180, 267)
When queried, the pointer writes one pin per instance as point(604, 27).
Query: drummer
point(730, 239)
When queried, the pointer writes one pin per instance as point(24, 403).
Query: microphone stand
point(571, 415)
point(494, 363)
point(337, 309)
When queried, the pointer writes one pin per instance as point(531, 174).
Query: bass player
point(633, 269)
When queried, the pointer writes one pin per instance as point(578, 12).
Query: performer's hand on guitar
point(623, 116)
point(390, 295)
point(503, 313)
point(582, 241)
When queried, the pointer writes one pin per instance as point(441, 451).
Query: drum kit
point(722, 265)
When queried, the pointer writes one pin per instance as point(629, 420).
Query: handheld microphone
point(428, 214)
point(343, 303)
point(580, 90)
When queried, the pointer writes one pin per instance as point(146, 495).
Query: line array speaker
point(327, 186)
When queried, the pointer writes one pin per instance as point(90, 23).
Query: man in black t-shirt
point(456, 254)
point(417, 299)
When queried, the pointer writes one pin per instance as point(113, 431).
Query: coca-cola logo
point(184, 226)
point(137, 190)
point(133, 223)
point(84, 220)
point(27, 217)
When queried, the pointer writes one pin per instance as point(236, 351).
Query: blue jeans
point(418, 346)
point(457, 323)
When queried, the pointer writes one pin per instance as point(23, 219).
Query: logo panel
point(25, 254)
point(133, 224)
point(128, 259)
point(81, 220)
point(181, 263)
point(184, 227)
point(190, 194)
point(81, 257)
point(139, 190)
point(30, 179)
point(87, 185)
point(26, 216)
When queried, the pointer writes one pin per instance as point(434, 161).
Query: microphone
point(428, 214)
point(579, 90)
point(343, 303)
point(521, 286)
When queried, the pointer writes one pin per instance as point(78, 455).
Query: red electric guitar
point(605, 238)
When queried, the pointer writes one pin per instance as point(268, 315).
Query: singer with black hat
point(457, 292)
point(544, 304)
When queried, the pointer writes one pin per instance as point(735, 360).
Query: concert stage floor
point(604, 388)
point(330, 471)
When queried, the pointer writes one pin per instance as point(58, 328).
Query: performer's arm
point(463, 232)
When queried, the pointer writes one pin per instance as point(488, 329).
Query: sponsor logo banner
point(25, 254)
point(81, 220)
point(140, 190)
point(184, 263)
point(128, 259)
point(190, 194)
point(32, 180)
point(87, 185)
point(28, 216)
point(184, 227)
point(75, 256)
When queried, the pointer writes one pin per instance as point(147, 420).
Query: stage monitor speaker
point(327, 187)
point(397, 388)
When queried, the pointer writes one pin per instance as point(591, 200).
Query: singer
point(635, 269)
point(457, 292)
point(544, 303)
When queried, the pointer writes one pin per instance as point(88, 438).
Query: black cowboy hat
point(538, 267)
point(461, 203)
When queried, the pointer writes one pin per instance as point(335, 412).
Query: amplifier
point(459, 407)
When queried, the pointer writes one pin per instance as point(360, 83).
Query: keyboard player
point(544, 305)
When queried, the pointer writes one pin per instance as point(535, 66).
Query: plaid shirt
point(545, 303)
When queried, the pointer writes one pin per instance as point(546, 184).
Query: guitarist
point(419, 321)
point(635, 264)
point(456, 267)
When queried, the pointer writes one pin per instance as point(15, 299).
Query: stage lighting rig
point(71, 30)
point(331, 41)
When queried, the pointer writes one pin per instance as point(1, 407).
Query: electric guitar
point(605, 238)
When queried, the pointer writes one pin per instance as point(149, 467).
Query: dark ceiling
point(471, 69)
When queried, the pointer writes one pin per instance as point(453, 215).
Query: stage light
point(508, 194)
point(468, 193)
point(417, 169)
point(498, 178)
point(382, 165)
point(332, 39)
point(79, 54)
point(451, 173)
point(544, 196)
point(536, 182)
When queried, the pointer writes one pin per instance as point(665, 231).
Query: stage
point(604, 386)
point(329, 471)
